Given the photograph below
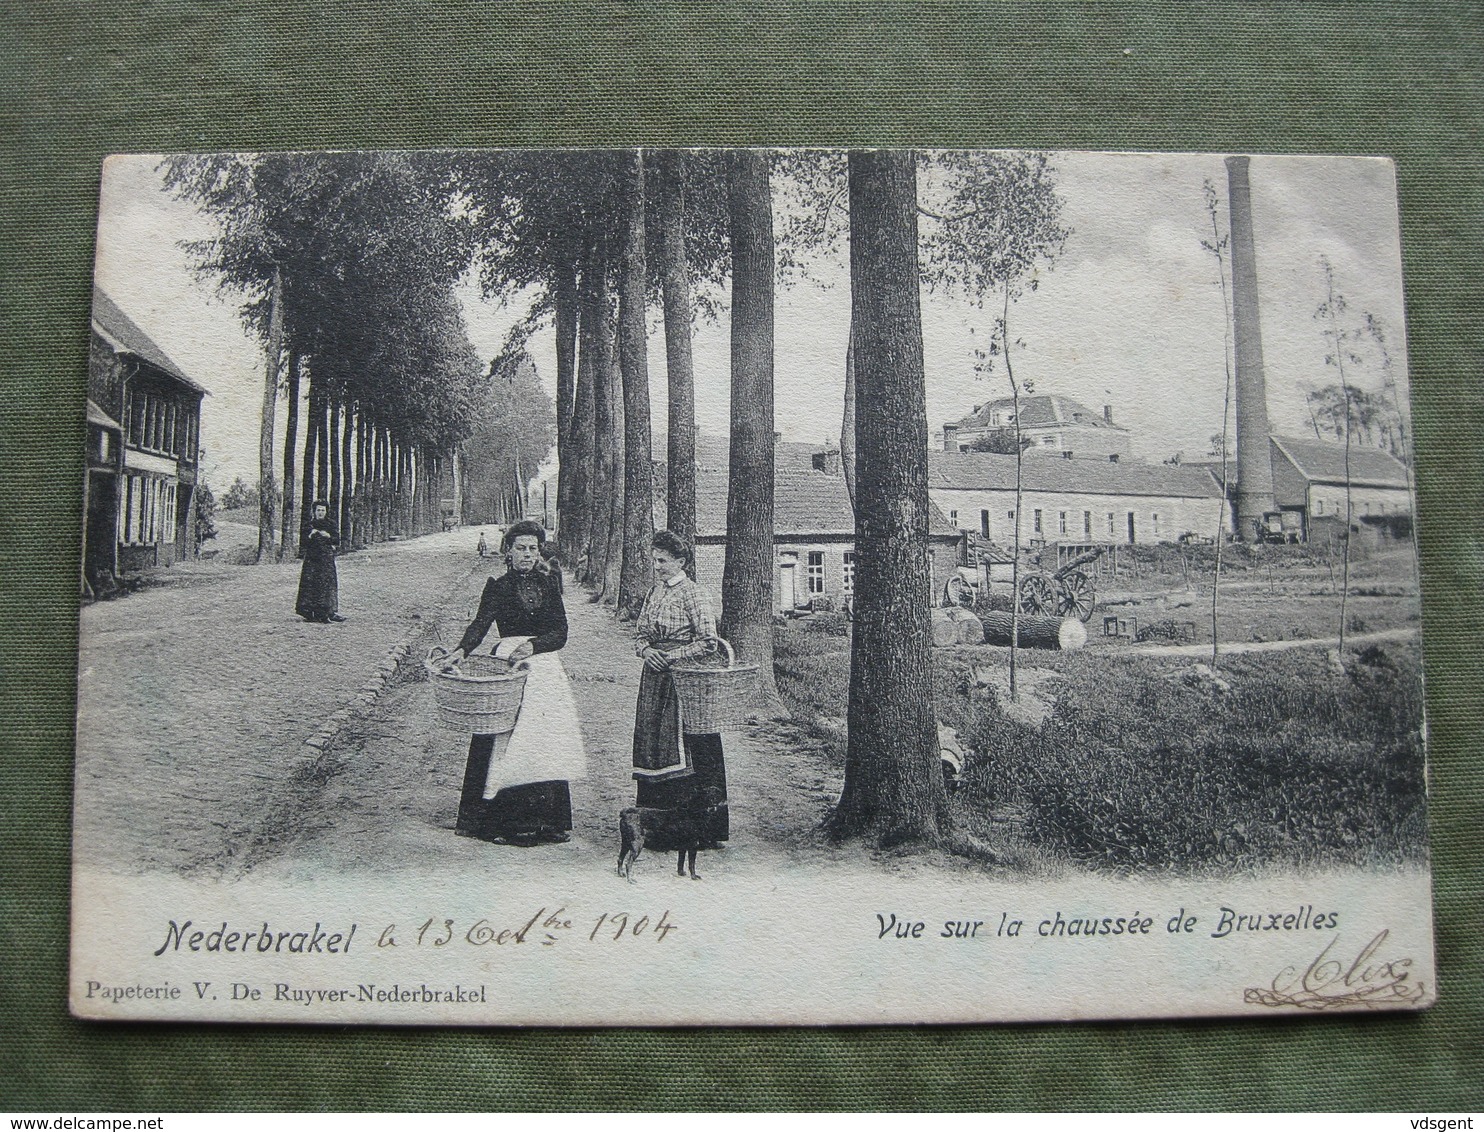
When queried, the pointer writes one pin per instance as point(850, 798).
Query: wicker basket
point(479, 696)
point(714, 699)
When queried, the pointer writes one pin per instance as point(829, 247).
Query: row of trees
point(346, 266)
point(596, 237)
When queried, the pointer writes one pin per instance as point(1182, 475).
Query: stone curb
point(385, 673)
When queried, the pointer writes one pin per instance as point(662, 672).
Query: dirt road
point(197, 697)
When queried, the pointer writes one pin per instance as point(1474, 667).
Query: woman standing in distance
point(685, 774)
point(319, 585)
point(516, 784)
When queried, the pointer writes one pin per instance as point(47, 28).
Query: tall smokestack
point(1254, 458)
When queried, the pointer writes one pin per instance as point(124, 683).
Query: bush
point(203, 504)
point(1134, 771)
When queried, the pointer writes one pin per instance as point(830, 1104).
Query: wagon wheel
point(1037, 594)
point(1076, 596)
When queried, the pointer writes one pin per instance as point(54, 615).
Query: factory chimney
point(1254, 458)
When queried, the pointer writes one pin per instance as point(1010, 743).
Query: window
point(1155, 518)
point(1047, 441)
point(984, 523)
point(953, 518)
point(847, 573)
point(135, 434)
point(1319, 507)
point(1038, 527)
point(1112, 524)
point(1087, 524)
point(1066, 454)
point(815, 571)
point(1061, 523)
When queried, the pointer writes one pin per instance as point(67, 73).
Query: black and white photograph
point(678, 587)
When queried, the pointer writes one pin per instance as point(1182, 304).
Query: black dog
point(639, 824)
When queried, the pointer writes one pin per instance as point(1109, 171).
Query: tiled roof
point(991, 471)
point(1323, 461)
point(804, 503)
point(98, 417)
point(713, 453)
point(1038, 410)
point(126, 338)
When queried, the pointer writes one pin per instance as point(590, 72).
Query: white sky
point(1130, 316)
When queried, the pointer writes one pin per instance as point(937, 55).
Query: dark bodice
point(528, 605)
point(319, 547)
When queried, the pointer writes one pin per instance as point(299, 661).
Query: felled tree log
point(1036, 632)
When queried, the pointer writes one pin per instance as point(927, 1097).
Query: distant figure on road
point(319, 586)
point(483, 547)
point(516, 785)
point(685, 774)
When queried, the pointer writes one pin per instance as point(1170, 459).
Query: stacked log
point(1066, 633)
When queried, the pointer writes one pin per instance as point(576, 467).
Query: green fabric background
point(81, 80)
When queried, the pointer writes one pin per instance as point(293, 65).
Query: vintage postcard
point(618, 587)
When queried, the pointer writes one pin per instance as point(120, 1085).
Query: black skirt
point(698, 799)
point(532, 811)
point(319, 585)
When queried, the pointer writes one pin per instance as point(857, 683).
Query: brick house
point(814, 538)
point(144, 425)
point(1049, 426)
point(1078, 502)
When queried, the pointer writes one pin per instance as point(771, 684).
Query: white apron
point(546, 744)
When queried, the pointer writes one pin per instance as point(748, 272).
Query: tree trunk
point(457, 467)
point(347, 485)
point(680, 455)
point(574, 515)
point(603, 457)
point(603, 454)
point(847, 418)
point(332, 500)
point(893, 785)
point(267, 494)
point(614, 526)
point(564, 300)
point(747, 575)
point(290, 443)
point(311, 457)
point(638, 465)
point(322, 453)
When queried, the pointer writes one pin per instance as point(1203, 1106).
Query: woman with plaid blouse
point(685, 774)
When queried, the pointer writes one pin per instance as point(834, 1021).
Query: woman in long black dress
point(524, 603)
point(319, 585)
point(685, 774)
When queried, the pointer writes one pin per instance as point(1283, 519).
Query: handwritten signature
point(1329, 983)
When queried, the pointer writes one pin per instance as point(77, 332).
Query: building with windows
point(1075, 501)
point(1049, 426)
point(814, 538)
point(144, 424)
point(1309, 478)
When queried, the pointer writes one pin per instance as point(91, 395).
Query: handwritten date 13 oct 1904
point(545, 927)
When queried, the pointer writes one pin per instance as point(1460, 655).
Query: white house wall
point(711, 560)
point(1327, 501)
point(1156, 518)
